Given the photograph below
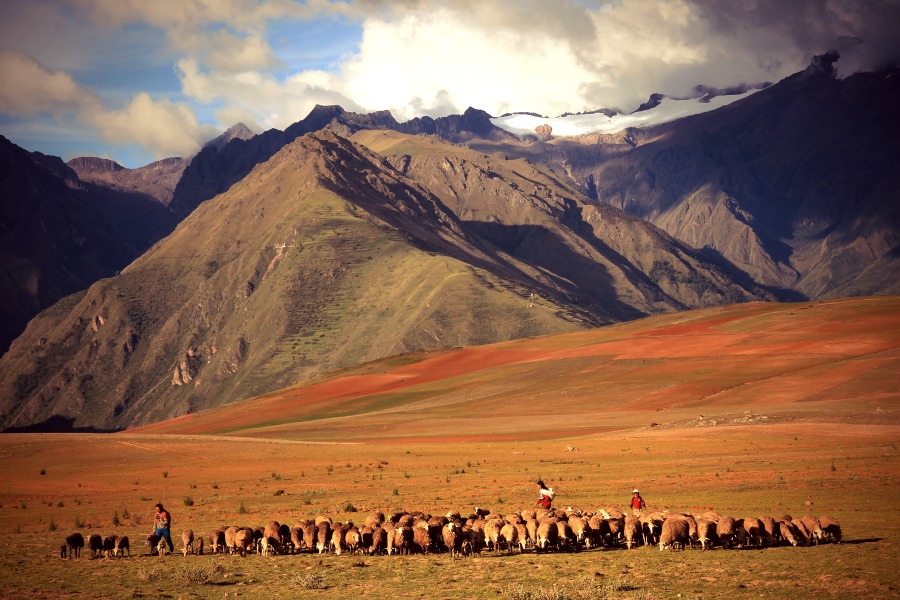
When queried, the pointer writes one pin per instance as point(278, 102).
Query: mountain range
point(348, 238)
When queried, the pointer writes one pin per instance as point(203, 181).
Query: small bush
point(79, 524)
point(165, 474)
point(115, 519)
point(310, 581)
point(192, 486)
point(242, 510)
point(396, 492)
point(59, 504)
point(43, 471)
point(277, 476)
point(125, 514)
point(349, 508)
point(53, 526)
point(188, 501)
point(215, 486)
point(201, 574)
point(149, 573)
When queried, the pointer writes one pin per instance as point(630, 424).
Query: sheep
point(492, 529)
point(152, 541)
point(217, 540)
point(474, 542)
point(310, 534)
point(706, 532)
point(352, 539)
point(752, 529)
point(403, 539)
point(830, 528)
point(323, 519)
point(581, 529)
point(272, 530)
point(198, 545)
point(727, 531)
point(95, 545)
point(788, 532)
point(243, 540)
point(187, 539)
point(230, 534)
point(452, 537)
point(374, 519)
point(674, 533)
point(379, 540)
point(510, 536)
point(632, 531)
point(109, 544)
point(814, 527)
point(268, 546)
point(296, 539)
point(650, 526)
point(547, 535)
point(121, 546)
point(740, 533)
point(323, 535)
point(162, 548)
point(769, 531)
point(802, 532)
point(612, 527)
point(566, 537)
point(284, 536)
point(422, 536)
point(74, 544)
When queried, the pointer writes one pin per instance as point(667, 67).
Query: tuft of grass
point(149, 573)
point(165, 474)
point(309, 581)
point(188, 500)
point(115, 519)
point(201, 574)
point(242, 510)
point(192, 486)
point(277, 476)
point(43, 471)
point(79, 524)
point(53, 526)
point(215, 486)
point(349, 508)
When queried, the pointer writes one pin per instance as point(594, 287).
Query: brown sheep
point(152, 541)
point(323, 536)
point(803, 534)
point(814, 527)
point(453, 537)
point(650, 526)
point(706, 533)
point(531, 527)
point(632, 531)
point(187, 538)
point(296, 539)
point(769, 531)
point(379, 540)
point(198, 545)
point(162, 548)
point(492, 529)
point(74, 544)
point(243, 540)
point(352, 539)
point(230, 534)
point(422, 537)
point(310, 535)
point(566, 537)
point(121, 546)
point(752, 531)
point(674, 533)
point(788, 532)
point(831, 529)
point(581, 529)
point(726, 529)
point(217, 541)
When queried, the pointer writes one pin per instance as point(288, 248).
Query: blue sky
point(137, 81)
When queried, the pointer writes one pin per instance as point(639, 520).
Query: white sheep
point(675, 532)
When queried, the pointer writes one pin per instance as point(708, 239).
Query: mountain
point(796, 185)
point(238, 131)
point(156, 180)
point(59, 234)
point(327, 256)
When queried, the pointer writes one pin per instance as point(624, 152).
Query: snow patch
point(668, 110)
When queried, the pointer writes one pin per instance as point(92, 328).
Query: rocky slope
point(156, 180)
point(59, 234)
point(327, 256)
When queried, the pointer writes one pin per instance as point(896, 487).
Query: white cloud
point(29, 88)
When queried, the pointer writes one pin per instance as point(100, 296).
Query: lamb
point(706, 532)
point(675, 532)
point(453, 538)
point(830, 528)
point(632, 531)
point(162, 548)
point(379, 540)
point(187, 539)
point(198, 545)
point(650, 525)
point(268, 546)
point(121, 546)
point(74, 544)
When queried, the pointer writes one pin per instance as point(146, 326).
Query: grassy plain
point(848, 471)
point(749, 410)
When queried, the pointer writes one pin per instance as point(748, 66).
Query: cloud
point(29, 88)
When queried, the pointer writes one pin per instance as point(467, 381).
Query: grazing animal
point(74, 544)
point(727, 531)
point(831, 529)
point(162, 548)
point(632, 531)
point(706, 533)
point(121, 546)
point(675, 532)
point(453, 537)
point(109, 544)
point(217, 541)
point(153, 542)
point(187, 538)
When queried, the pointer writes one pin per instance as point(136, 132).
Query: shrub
point(53, 526)
point(201, 574)
point(149, 573)
point(276, 476)
point(79, 524)
point(44, 471)
point(310, 581)
point(165, 474)
point(215, 486)
point(349, 508)
point(115, 519)
point(59, 504)
point(242, 510)
point(188, 501)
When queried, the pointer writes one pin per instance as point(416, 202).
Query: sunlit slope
point(836, 361)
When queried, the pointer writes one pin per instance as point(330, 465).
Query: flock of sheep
point(538, 531)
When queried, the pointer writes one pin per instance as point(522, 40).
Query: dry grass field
point(798, 408)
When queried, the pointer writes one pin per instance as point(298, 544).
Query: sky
point(140, 80)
